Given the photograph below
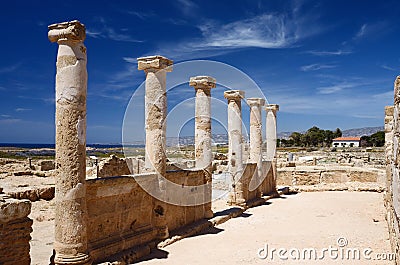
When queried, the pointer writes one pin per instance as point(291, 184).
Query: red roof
point(347, 139)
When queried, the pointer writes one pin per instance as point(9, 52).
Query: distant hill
point(362, 131)
point(358, 132)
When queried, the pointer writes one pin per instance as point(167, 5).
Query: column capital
point(202, 81)
point(73, 31)
point(255, 102)
point(154, 63)
point(273, 107)
point(234, 94)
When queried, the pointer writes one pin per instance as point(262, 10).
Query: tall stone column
point(271, 129)
point(256, 139)
point(156, 68)
point(71, 88)
point(271, 146)
point(235, 163)
point(203, 152)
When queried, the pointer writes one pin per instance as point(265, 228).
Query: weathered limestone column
point(271, 129)
point(203, 152)
point(71, 87)
point(234, 98)
point(270, 184)
point(156, 68)
point(256, 139)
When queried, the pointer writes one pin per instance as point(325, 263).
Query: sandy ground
point(42, 240)
point(294, 222)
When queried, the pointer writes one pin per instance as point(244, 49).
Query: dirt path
point(295, 222)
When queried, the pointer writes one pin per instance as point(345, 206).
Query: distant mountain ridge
point(357, 132)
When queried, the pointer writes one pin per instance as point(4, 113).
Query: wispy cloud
point(267, 31)
point(141, 15)
point(186, 6)
point(5, 116)
point(369, 29)
point(384, 66)
point(315, 67)
point(329, 53)
point(22, 109)
point(336, 88)
point(263, 31)
point(10, 68)
point(361, 32)
point(107, 32)
point(9, 121)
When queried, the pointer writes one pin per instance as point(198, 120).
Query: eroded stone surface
point(71, 89)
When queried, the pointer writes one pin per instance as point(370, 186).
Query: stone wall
point(114, 166)
point(268, 186)
point(121, 214)
point(15, 230)
point(240, 193)
point(392, 196)
point(315, 175)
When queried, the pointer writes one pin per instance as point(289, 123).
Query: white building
point(346, 142)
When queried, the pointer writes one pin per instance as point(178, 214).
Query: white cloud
point(329, 53)
point(107, 32)
point(315, 67)
point(264, 31)
point(384, 66)
point(141, 15)
point(9, 69)
point(369, 29)
point(336, 88)
point(5, 116)
point(22, 109)
point(186, 6)
point(361, 32)
point(9, 121)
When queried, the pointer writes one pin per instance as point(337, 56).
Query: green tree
point(296, 138)
point(337, 133)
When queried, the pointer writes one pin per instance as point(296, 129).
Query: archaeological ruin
point(117, 210)
point(126, 207)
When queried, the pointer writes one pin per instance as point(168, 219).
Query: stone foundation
point(15, 230)
point(122, 215)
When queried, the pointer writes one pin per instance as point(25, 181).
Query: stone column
point(270, 183)
point(203, 152)
point(71, 87)
point(235, 163)
point(256, 139)
point(271, 130)
point(156, 68)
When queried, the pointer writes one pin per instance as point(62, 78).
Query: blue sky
point(326, 63)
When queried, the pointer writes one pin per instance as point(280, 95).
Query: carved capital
point(255, 102)
point(73, 31)
point(155, 63)
point(234, 94)
point(273, 107)
point(202, 82)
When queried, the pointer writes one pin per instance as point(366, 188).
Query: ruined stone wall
point(114, 166)
point(179, 215)
point(121, 214)
point(392, 199)
point(240, 193)
point(268, 185)
point(327, 174)
point(15, 230)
